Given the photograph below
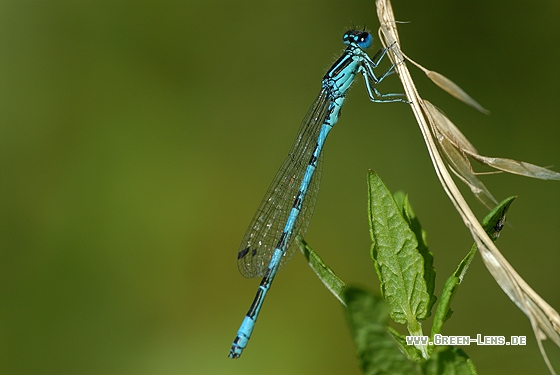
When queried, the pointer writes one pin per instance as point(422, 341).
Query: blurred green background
point(137, 139)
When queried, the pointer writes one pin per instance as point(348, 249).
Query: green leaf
point(399, 198)
point(378, 352)
point(492, 224)
point(411, 351)
point(324, 272)
point(495, 220)
point(447, 360)
point(421, 237)
point(398, 263)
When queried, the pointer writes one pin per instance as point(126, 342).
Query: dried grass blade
point(516, 167)
point(453, 89)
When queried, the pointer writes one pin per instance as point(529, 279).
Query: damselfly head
point(362, 38)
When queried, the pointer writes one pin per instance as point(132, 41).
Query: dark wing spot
point(242, 253)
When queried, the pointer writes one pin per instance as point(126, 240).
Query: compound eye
point(364, 40)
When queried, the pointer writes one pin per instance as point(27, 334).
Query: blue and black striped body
point(288, 205)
